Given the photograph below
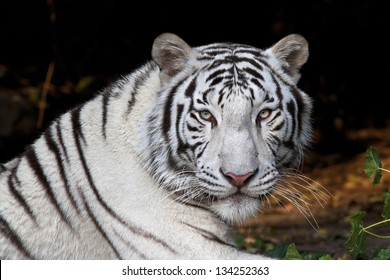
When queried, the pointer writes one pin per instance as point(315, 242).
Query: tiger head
point(227, 119)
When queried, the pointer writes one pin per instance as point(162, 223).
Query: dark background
point(92, 43)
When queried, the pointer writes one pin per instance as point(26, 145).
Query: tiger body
point(158, 165)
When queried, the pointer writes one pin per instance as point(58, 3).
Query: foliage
point(383, 254)
point(356, 242)
point(372, 165)
point(386, 206)
point(292, 253)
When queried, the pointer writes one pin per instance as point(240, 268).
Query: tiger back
point(160, 164)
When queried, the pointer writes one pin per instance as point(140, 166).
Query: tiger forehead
point(238, 62)
point(233, 70)
point(217, 50)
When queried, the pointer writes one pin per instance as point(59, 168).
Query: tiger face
point(231, 119)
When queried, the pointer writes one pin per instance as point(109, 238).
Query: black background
point(347, 71)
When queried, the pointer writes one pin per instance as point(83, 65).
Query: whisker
point(279, 202)
point(290, 182)
point(297, 194)
point(320, 193)
point(302, 208)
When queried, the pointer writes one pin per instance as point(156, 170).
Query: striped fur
point(159, 164)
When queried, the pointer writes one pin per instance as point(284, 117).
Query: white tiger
point(161, 164)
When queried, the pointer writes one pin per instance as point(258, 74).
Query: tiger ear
point(171, 54)
point(292, 52)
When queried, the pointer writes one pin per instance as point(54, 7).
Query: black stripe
point(251, 61)
point(139, 82)
point(150, 236)
point(258, 84)
point(276, 144)
point(61, 139)
point(151, 129)
point(37, 168)
point(189, 92)
point(271, 148)
point(194, 116)
point(166, 125)
point(2, 168)
point(75, 119)
point(210, 236)
point(192, 128)
point(254, 52)
point(54, 149)
point(105, 99)
point(216, 62)
point(231, 59)
point(279, 126)
point(278, 113)
point(216, 81)
point(202, 151)
point(181, 146)
point(216, 73)
point(205, 58)
point(275, 139)
point(130, 105)
point(99, 228)
point(204, 95)
point(254, 73)
point(291, 110)
point(197, 206)
point(167, 110)
point(300, 104)
point(76, 133)
point(7, 231)
point(76, 124)
point(220, 98)
point(196, 145)
point(273, 179)
point(217, 50)
point(252, 95)
point(14, 186)
point(199, 101)
point(131, 246)
point(278, 90)
point(212, 184)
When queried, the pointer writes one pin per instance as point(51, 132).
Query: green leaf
point(356, 242)
point(383, 254)
point(240, 240)
point(292, 253)
point(325, 257)
point(386, 206)
point(372, 165)
point(279, 252)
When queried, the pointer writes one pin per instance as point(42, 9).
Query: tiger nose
point(238, 180)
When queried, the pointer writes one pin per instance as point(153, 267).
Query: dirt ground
point(350, 191)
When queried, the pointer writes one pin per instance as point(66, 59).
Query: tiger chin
point(160, 164)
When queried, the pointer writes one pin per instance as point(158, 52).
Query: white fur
point(136, 210)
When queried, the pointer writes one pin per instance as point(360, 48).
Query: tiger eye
point(206, 115)
point(264, 114)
